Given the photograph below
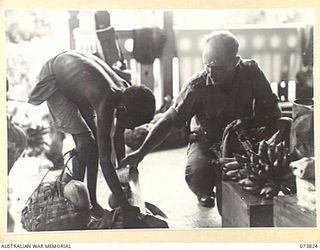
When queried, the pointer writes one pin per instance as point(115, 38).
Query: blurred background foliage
point(24, 25)
point(27, 33)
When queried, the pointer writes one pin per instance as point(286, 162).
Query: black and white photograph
point(159, 119)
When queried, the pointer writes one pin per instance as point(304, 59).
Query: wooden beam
point(73, 23)
point(146, 75)
point(169, 51)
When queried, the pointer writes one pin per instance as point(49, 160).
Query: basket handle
point(72, 153)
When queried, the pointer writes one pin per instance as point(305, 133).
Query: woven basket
point(47, 210)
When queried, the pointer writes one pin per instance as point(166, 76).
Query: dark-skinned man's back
point(84, 96)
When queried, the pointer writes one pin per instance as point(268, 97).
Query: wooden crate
point(287, 213)
point(243, 209)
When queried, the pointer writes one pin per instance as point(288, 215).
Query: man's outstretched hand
point(132, 160)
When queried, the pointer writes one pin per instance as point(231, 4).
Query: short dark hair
point(225, 38)
point(140, 104)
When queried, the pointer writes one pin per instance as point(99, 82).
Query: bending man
point(85, 97)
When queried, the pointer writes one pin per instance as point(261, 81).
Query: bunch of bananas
point(265, 172)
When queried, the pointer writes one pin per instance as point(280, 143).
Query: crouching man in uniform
point(88, 100)
point(228, 90)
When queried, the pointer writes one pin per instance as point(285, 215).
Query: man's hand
point(241, 131)
point(132, 160)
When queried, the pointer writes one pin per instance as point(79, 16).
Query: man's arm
point(104, 121)
point(182, 110)
point(159, 132)
point(155, 137)
point(266, 107)
point(119, 142)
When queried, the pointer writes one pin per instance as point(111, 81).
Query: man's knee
point(202, 180)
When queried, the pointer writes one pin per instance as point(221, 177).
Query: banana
point(257, 168)
point(273, 192)
point(246, 182)
point(232, 165)
point(224, 161)
point(266, 190)
point(242, 173)
point(261, 161)
point(291, 185)
point(261, 146)
point(241, 158)
point(260, 172)
point(273, 138)
point(262, 151)
point(254, 159)
point(271, 154)
point(268, 168)
point(248, 188)
point(269, 191)
point(276, 166)
point(232, 173)
point(279, 151)
point(285, 189)
point(284, 163)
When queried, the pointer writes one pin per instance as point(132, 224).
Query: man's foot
point(97, 211)
point(207, 200)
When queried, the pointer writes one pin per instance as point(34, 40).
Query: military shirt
point(248, 97)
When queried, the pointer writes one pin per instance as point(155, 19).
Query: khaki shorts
point(65, 116)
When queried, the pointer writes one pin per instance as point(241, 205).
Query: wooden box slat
point(243, 209)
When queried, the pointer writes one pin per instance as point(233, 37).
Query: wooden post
point(102, 19)
point(73, 23)
point(146, 75)
point(169, 51)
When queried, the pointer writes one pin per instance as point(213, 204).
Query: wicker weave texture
point(47, 210)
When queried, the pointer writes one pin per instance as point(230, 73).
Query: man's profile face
point(217, 63)
point(125, 119)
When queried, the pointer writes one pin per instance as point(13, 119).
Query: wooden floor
point(162, 183)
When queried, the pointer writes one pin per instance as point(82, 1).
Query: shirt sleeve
point(266, 107)
point(186, 103)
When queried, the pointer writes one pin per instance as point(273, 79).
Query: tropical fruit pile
point(264, 171)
